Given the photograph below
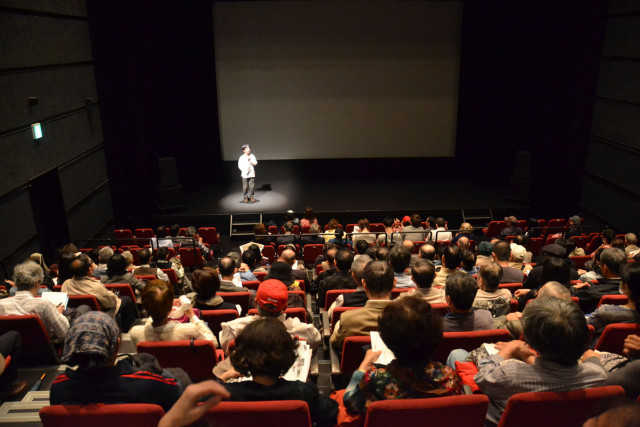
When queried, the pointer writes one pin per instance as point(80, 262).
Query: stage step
point(242, 224)
point(477, 217)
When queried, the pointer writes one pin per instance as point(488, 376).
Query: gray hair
point(631, 238)
point(556, 290)
point(556, 329)
point(191, 231)
point(27, 275)
point(128, 256)
point(357, 267)
point(614, 259)
point(105, 253)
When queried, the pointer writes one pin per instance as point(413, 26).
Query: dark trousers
point(248, 185)
point(127, 313)
point(10, 345)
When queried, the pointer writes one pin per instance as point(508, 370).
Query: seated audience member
point(553, 270)
point(557, 331)
point(617, 243)
point(382, 254)
point(460, 291)
point(229, 282)
point(502, 255)
point(399, 259)
point(117, 273)
point(27, 278)
point(550, 251)
point(327, 264)
point(265, 350)
point(440, 234)
point(92, 344)
point(272, 298)
point(628, 376)
point(206, 284)
point(194, 403)
point(573, 227)
point(194, 240)
point(298, 270)
point(422, 274)
point(628, 313)
point(330, 230)
point(378, 282)
point(48, 275)
point(631, 244)
point(428, 252)
point(569, 246)
point(128, 256)
point(451, 260)
point(358, 298)
point(10, 345)
point(489, 296)
point(414, 232)
point(308, 218)
point(371, 252)
point(466, 231)
point(157, 299)
point(468, 262)
point(64, 267)
point(518, 254)
point(462, 243)
point(391, 234)
point(315, 238)
point(341, 238)
point(161, 261)
point(103, 257)
point(145, 268)
point(83, 284)
point(485, 251)
point(361, 248)
point(522, 240)
point(161, 239)
point(243, 272)
point(611, 262)
point(261, 236)
point(361, 232)
point(340, 279)
point(511, 229)
point(287, 237)
point(412, 330)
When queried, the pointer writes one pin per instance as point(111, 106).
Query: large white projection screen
point(337, 79)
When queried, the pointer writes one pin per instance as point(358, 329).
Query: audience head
point(517, 252)
point(64, 267)
point(191, 231)
point(520, 239)
point(308, 214)
point(339, 232)
point(81, 266)
point(569, 245)
point(501, 251)
point(468, 259)
point(630, 239)
point(378, 279)
point(608, 235)
point(617, 243)
point(69, 248)
point(94, 254)
point(555, 290)
point(612, 259)
point(104, 254)
point(412, 330)
point(440, 222)
point(431, 221)
point(162, 253)
point(333, 223)
point(451, 257)
point(428, 251)
point(264, 348)
point(344, 259)
point(408, 244)
point(117, 265)
point(357, 268)
point(144, 255)
point(330, 256)
point(128, 256)
point(361, 247)
point(382, 254)
point(489, 276)
point(281, 271)
point(272, 298)
point(631, 282)
point(399, 258)
point(174, 230)
point(205, 282)
point(388, 222)
point(466, 228)
point(363, 224)
point(556, 330)
point(288, 227)
point(92, 342)
point(461, 290)
point(227, 267)
point(423, 272)
point(161, 232)
point(416, 221)
point(157, 299)
point(259, 229)
point(463, 243)
point(27, 276)
point(289, 256)
point(555, 270)
point(485, 249)
point(314, 228)
point(371, 251)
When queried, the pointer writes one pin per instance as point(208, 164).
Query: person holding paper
point(266, 351)
point(412, 330)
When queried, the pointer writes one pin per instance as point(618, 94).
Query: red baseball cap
point(272, 295)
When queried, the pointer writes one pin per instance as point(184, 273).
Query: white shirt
point(246, 165)
point(443, 234)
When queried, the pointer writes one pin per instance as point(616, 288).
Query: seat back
point(36, 348)
point(251, 284)
point(395, 292)
point(352, 354)
point(337, 312)
point(273, 229)
point(441, 307)
point(464, 410)
point(238, 298)
point(377, 227)
point(172, 275)
point(580, 261)
point(260, 275)
point(191, 257)
point(290, 312)
point(269, 252)
point(250, 414)
point(311, 252)
point(209, 235)
point(535, 245)
point(332, 295)
point(215, 318)
point(581, 241)
point(570, 408)
point(123, 237)
point(78, 300)
point(613, 336)
point(145, 277)
point(121, 289)
point(595, 242)
point(511, 286)
point(494, 228)
point(197, 357)
point(102, 415)
point(554, 226)
point(613, 300)
point(468, 341)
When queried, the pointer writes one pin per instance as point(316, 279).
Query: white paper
point(56, 298)
point(377, 344)
point(491, 348)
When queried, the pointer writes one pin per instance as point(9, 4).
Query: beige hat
point(518, 252)
point(511, 219)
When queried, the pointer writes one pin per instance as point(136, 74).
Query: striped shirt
point(25, 303)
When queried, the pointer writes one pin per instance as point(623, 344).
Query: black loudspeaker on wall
point(169, 190)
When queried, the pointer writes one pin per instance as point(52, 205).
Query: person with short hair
point(490, 296)
point(161, 239)
point(440, 234)
point(92, 344)
point(631, 244)
point(361, 232)
point(358, 298)
point(485, 249)
point(229, 279)
point(414, 232)
point(265, 350)
point(315, 238)
point(468, 264)
point(145, 268)
point(400, 259)
point(412, 330)
point(557, 331)
point(611, 262)
point(460, 292)
point(502, 255)
point(247, 164)
point(341, 279)
point(378, 282)
point(422, 274)
point(206, 283)
point(392, 232)
point(117, 273)
point(451, 259)
point(104, 254)
point(157, 299)
point(429, 253)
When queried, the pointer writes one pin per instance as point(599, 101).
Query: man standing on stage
point(246, 164)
